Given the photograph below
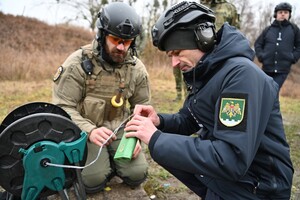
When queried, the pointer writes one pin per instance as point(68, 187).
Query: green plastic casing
point(125, 148)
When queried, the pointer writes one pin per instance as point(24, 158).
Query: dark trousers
point(193, 184)
point(279, 78)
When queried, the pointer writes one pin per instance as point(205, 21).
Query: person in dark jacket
point(278, 46)
point(241, 151)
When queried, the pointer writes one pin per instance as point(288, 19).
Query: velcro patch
point(58, 73)
point(233, 112)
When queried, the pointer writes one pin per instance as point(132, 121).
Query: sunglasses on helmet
point(116, 40)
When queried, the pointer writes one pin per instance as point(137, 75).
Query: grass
point(17, 93)
point(160, 182)
point(291, 110)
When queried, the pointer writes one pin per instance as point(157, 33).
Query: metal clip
point(279, 37)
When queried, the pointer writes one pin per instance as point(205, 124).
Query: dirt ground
point(164, 187)
point(118, 191)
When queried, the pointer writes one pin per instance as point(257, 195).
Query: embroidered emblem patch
point(231, 111)
point(58, 73)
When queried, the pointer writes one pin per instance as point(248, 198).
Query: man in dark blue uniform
point(241, 151)
point(278, 46)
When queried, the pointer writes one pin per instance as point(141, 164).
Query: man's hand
point(147, 111)
point(99, 136)
point(137, 149)
point(140, 127)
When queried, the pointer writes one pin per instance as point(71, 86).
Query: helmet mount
point(120, 20)
point(182, 16)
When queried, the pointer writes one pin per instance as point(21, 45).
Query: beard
point(117, 56)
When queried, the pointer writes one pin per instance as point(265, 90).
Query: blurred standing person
point(278, 46)
point(95, 84)
point(241, 152)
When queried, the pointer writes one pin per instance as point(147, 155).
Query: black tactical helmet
point(119, 19)
point(283, 6)
point(180, 15)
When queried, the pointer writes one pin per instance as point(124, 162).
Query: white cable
point(79, 167)
point(99, 152)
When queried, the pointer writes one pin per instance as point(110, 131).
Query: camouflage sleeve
point(68, 90)
point(235, 18)
point(225, 12)
point(140, 86)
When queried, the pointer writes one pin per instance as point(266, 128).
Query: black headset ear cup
point(205, 36)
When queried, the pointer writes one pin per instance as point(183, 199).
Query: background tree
point(246, 17)
point(253, 18)
point(85, 10)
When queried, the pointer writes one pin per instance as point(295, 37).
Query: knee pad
point(135, 173)
point(93, 179)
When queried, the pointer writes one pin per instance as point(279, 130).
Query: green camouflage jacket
point(224, 12)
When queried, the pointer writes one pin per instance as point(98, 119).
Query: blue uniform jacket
point(246, 160)
point(278, 47)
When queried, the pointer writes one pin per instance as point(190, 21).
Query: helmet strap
point(132, 48)
point(101, 44)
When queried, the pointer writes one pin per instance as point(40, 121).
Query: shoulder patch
point(59, 71)
point(233, 111)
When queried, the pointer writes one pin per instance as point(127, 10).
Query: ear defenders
point(205, 36)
